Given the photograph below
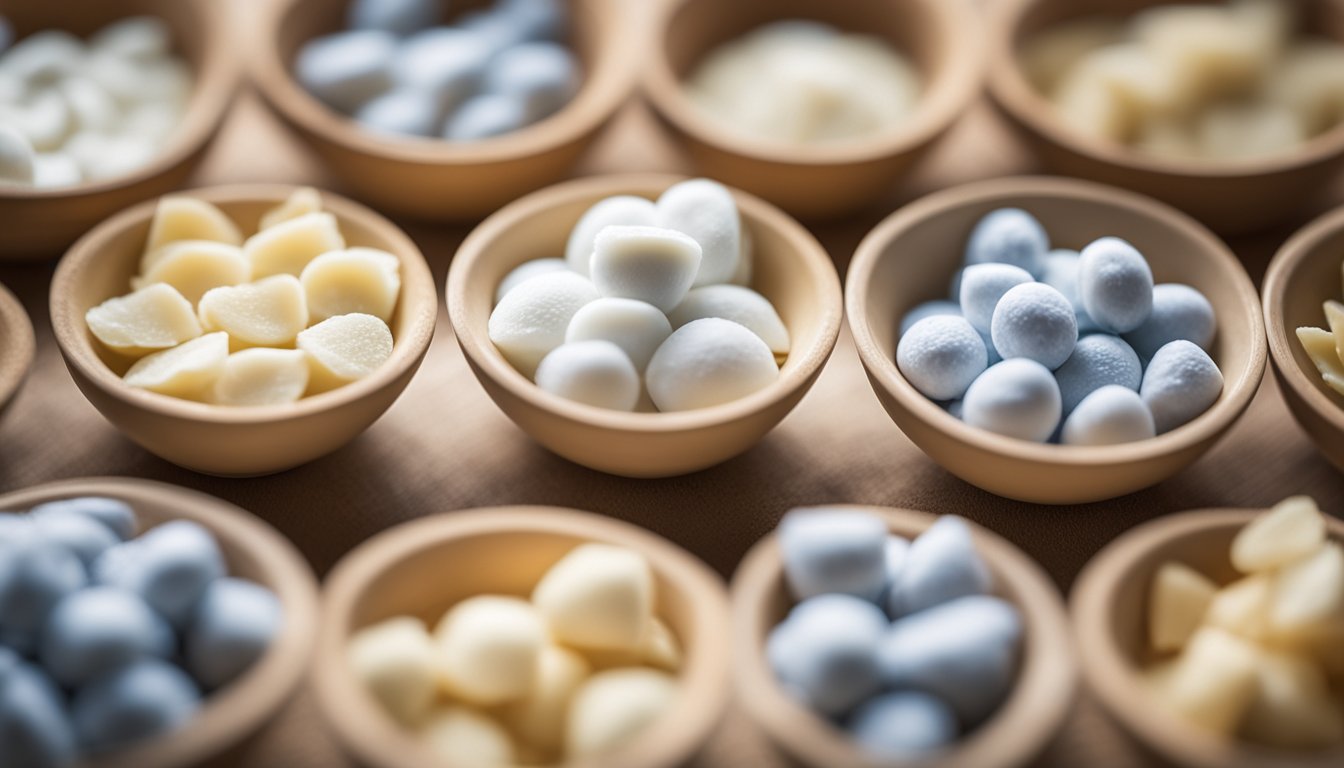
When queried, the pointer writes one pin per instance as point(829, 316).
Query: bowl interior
point(16, 345)
point(1313, 274)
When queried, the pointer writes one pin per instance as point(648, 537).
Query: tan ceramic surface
point(16, 346)
point(425, 567)
point(38, 223)
point(238, 715)
point(1109, 604)
point(790, 268)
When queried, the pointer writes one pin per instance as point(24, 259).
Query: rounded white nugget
point(614, 706)
point(618, 211)
point(596, 373)
point(635, 326)
point(489, 647)
point(981, 287)
point(1179, 312)
point(366, 280)
point(1008, 236)
point(705, 211)
point(598, 596)
point(941, 355)
point(398, 663)
point(262, 376)
point(526, 271)
point(286, 248)
point(1017, 398)
point(187, 370)
point(344, 348)
point(1181, 382)
point(461, 736)
point(651, 264)
point(154, 317)
point(177, 217)
point(1097, 360)
point(1110, 415)
point(302, 201)
point(532, 319)
point(347, 69)
point(539, 719)
point(1115, 284)
point(708, 362)
point(134, 37)
point(741, 305)
point(56, 169)
point(267, 313)
point(1034, 321)
point(194, 267)
point(16, 157)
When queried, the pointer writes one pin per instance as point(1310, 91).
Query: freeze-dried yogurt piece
point(1309, 79)
point(187, 370)
point(177, 217)
point(1242, 131)
point(1177, 601)
point(134, 37)
point(705, 211)
point(596, 372)
point(1115, 284)
point(980, 288)
point(539, 717)
point(1109, 416)
point(1034, 321)
point(1308, 592)
point(1056, 50)
point(1097, 360)
point(489, 648)
point(706, 363)
point(402, 111)
point(463, 736)
point(397, 661)
point(1008, 236)
point(526, 271)
point(286, 248)
point(620, 211)
point(268, 313)
point(194, 267)
point(652, 264)
point(346, 69)
point(344, 348)
point(1320, 346)
point(545, 75)
point(1017, 398)
point(1181, 382)
point(941, 355)
point(531, 320)
point(1214, 681)
point(1294, 528)
point(16, 157)
point(613, 706)
point(56, 169)
point(1179, 312)
point(741, 305)
point(300, 202)
point(366, 280)
point(262, 376)
point(154, 317)
point(91, 107)
point(598, 596)
point(634, 326)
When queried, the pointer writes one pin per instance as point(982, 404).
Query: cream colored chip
point(539, 718)
point(194, 267)
point(1177, 602)
point(1247, 131)
point(186, 218)
point(658, 648)
point(1308, 592)
point(262, 376)
point(1309, 79)
point(1294, 528)
point(1058, 49)
point(301, 202)
point(489, 649)
point(363, 280)
point(612, 707)
point(1214, 682)
point(463, 737)
point(188, 370)
point(1211, 53)
point(286, 248)
point(598, 596)
point(345, 348)
point(1293, 707)
point(1242, 607)
point(267, 313)
point(397, 662)
point(1334, 317)
point(152, 318)
point(1320, 346)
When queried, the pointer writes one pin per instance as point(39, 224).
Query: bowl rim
point(245, 706)
point(1042, 697)
point(368, 733)
point(953, 89)
point(486, 359)
point(1010, 90)
point(418, 302)
point(18, 329)
point(214, 85)
point(1109, 673)
point(883, 372)
point(587, 111)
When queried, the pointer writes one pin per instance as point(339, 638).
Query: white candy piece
point(177, 217)
point(1242, 607)
point(651, 264)
point(1308, 592)
point(461, 736)
point(706, 363)
point(531, 320)
point(941, 355)
point(1008, 236)
point(1181, 382)
point(619, 211)
point(364, 280)
point(134, 37)
point(1214, 681)
point(614, 706)
point(262, 376)
point(539, 718)
point(288, 247)
point(596, 373)
point(1177, 602)
point(302, 201)
point(741, 305)
point(1115, 284)
point(91, 107)
point(705, 211)
point(56, 169)
point(187, 371)
point(268, 313)
point(638, 328)
point(982, 285)
point(343, 349)
point(194, 267)
point(598, 596)
point(1016, 398)
point(489, 649)
point(527, 270)
point(154, 317)
point(1034, 321)
point(348, 68)
point(1109, 416)
point(43, 57)
point(16, 157)
point(1293, 529)
point(397, 662)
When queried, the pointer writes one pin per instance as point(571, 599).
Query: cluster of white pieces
point(300, 312)
point(1326, 347)
point(72, 111)
point(648, 299)
point(395, 72)
point(578, 670)
point(1006, 354)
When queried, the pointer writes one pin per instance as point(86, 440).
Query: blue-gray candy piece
point(400, 17)
point(1034, 321)
point(97, 630)
point(1061, 273)
point(116, 514)
point(1181, 382)
point(544, 75)
point(170, 567)
point(145, 699)
point(446, 61)
point(85, 536)
point(941, 355)
point(1097, 361)
point(942, 565)
point(234, 625)
point(826, 651)
point(833, 551)
point(929, 309)
point(486, 116)
point(903, 724)
point(1009, 236)
point(1179, 312)
point(34, 576)
point(1116, 285)
point(403, 112)
point(964, 652)
point(34, 730)
point(1016, 398)
point(534, 19)
point(347, 69)
point(982, 285)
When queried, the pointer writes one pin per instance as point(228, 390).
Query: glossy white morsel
point(1180, 383)
point(597, 596)
point(1109, 416)
point(489, 647)
point(1290, 530)
point(1115, 284)
point(187, 371)
point(528, 269)
point(705, 211)
point(262, 376)
point(1214, 681)
point(1015, 398)
point(464, 736)
point(286, 248)
point(343, 349)
point(178, 217)
point(152, 318)
point(595, 372)
point(365, 280)
point(982, 286)
point(194, 267)
point(1034, 321)
point(652, 264)
point(741, 305)
point(531, 320)
point(396, 660)
point(620, 211)
point(268, 313)
point(1177, 601)
point(636, 327)
point(706, 363)
point(941, 355)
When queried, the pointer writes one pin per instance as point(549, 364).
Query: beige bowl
point(16, 346)
point(424, 567)
point(1109, 611)
point(1233, 197)
point(941, 37)
point(1021, 728)
point(791, 269)
point(1303, 274)
point(42, 222)
point(434, 179)
point(236, 716)
point(911, 257)
point(234, 441)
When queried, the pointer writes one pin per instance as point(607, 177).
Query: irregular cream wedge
point(363, 280)
point(153, 318)
point(1242, 606)
point(1215, 681)
point(268, 313)
point(187, 371)
point(194, 267)
point(344, 348)
point(262, 376)
point(1320, 346)
point(658, 648)
point(1292, 529)
point(489, 649)
point(597, 597)
point(303, 201)
point(615, 705)
point(1176, 605)
point(286, 248)
point(187, 218)
point(1308, 592)
point(539, 717)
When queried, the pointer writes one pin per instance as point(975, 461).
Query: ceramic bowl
point(1234, 197)
point(434, 179)
point(911, 257)
point(236, 716)
point(40, 223)
point(1109, 612)
point(424, 567)
point(16, 346)
point(1014, 735)
point(791, 269)
point(941, 37)
point(234, 441)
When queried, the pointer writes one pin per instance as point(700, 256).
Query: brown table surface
point(445, 446)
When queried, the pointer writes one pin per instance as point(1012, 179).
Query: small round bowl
point(236, 716)
point(433, 179)
point(1109, 611)
point(226, 440)
point(1304, 273)
point(42, 222)
point(911, 257)
point(1231, 197)
point(16, 346)
point(941, 37)
point(791, 269)
point(424, 567)
point(1014, 735)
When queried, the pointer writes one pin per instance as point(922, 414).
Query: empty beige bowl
point(1232, 197)
point(791, 270)
point(942, 38)
point(234, 717)
point(1109, 606)
point(226, 440)
point(1014, 735)
point(39, 223)
point(911, 258)
point(423, 568)
point(428, 178)
point(16, 346)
